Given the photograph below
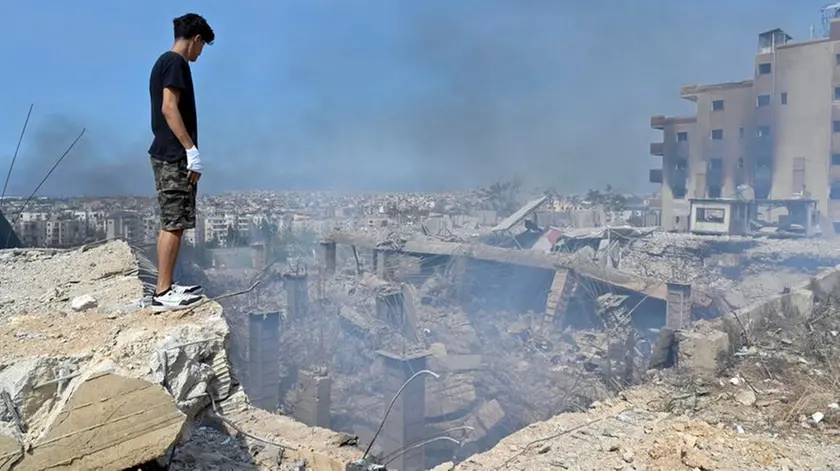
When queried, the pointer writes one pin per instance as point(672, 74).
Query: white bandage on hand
point(193, 160)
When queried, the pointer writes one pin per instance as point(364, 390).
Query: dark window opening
point(740, 162)
point(714, 191)
point(682, 136)
point(784, 98)
point(762, 100)
point(835, 159)
point(681, 164)
point(837, 93)
point(715, 215)
point(834, 194)
point(716, 163)
point(717, 134)
point(837, 59)
point(717, 105)
point(679, 191)
point(762, 131)
point(765, 68)
point(741, 133)
point(835, 126)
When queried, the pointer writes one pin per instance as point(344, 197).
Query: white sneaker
point(187, 289)
point(172, 301)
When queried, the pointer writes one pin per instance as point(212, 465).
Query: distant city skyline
point(372, 95)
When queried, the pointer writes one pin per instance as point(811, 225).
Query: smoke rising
point(434, 95)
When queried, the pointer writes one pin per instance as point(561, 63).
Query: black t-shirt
point(171, 70)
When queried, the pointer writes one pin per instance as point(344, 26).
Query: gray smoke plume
point(461, 94)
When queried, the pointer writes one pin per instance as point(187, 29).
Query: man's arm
point(171, 95)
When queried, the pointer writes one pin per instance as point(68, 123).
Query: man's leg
point(177, 202)
point(169, 242)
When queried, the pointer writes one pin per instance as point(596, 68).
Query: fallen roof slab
point(530, 258)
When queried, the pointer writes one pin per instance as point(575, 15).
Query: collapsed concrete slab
point(109, 422)
point(115, 385)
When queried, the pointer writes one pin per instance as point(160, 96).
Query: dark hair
point(192, 25)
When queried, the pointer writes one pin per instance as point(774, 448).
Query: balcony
point(657, 148)
point(655, 175)
point(658, 122)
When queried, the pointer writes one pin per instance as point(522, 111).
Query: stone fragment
point(83, 302)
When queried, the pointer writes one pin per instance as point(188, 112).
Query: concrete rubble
point(90, 379)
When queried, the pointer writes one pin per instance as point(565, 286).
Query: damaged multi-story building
point(775, 135)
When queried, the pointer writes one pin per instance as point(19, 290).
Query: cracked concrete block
point(20, 381)
point(703, 352)
point(109, 422)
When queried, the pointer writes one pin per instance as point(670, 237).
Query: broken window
point(714, 191)
point(762, 131)
point(682, 136)
point(762, 100)
point(716, 163)
point(681, 164)
point(783, 98)
point(717, 105)
point(716, 215)
point(717, 134)
point(765, 68)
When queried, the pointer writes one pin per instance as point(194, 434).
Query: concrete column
point(385, 264)
point(407, 422)
point(313, 407)
point(330, 256)
point(297, 295)
point(562, 288)
point(678, 306)
point(263, 377)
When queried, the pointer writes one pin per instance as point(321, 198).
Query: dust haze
point(460, 94)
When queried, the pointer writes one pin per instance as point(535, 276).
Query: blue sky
point(372, 94)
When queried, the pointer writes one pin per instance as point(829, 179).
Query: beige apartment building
point(777, 133)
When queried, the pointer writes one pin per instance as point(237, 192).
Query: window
point(835, 159)
point(681, 164)
point(762, 131)
point(717, 134)
point(837, 59)
point(714, 191)
point(716, 215)
point(682, 136)
point(740, 162)
point(717, 105)
point(679, 191)
point(716, 163)
point(835, 126)
point(765, 68)
point(762, 100)
point(783, 98)
point(741, 133)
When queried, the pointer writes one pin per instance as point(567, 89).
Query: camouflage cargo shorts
point(176, 197)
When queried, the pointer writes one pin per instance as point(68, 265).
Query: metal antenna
point(391, 405)
point(14, 157)
point(20, 212)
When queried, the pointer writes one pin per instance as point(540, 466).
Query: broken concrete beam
point(11, 446)
point(109, 422)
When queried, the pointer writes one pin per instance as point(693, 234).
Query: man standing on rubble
point(174, 154)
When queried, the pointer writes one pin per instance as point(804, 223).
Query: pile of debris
point(774, 408)
point(92, 379)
